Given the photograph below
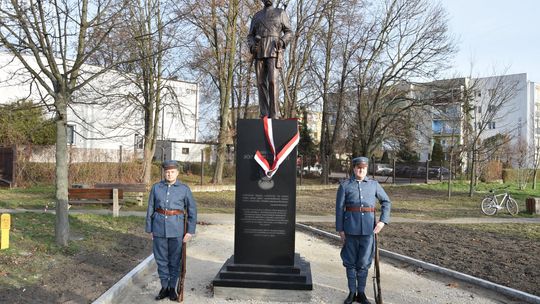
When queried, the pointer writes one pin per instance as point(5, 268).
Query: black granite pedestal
point(265, 214)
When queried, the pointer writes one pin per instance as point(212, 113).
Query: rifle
point(181, 281)
point(377, 277)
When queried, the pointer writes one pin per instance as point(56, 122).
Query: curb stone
point(137, 272)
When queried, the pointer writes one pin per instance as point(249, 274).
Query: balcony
point(440, 127)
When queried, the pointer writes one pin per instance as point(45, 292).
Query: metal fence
point(392, 172)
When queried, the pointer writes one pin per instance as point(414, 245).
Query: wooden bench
point(4, 183)
point(130, 190)
point(96, 196)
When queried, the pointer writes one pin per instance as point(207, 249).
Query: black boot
point(163, 293)
point(173, 296)
point(350, 298)
point(362, 299)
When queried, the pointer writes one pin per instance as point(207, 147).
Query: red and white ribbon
point(280, 156)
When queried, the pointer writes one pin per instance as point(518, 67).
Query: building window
point(437, 126)
point(491, 125)
point(479, 109)
point(185, 151)
point(139, 142)
point(70, 134)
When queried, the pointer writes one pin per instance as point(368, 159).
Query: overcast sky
point(496, 34)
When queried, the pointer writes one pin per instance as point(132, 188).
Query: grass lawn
point(195, 179)
point(422, 201)
point(28, 198)
point(33, 255)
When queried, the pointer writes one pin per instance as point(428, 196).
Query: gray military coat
point(366, 193)
point(177, 196)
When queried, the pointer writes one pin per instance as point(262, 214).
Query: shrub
point(31, 173)
point(229, 170)
point(492, 171)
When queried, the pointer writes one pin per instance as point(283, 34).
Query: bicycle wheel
point(512, 206)
point(489, 207)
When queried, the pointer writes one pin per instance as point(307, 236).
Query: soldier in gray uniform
point(355, 223)
point(168, 201)
point(267, 44)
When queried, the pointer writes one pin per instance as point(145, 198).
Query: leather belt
point(360, 209)
point(169, 212)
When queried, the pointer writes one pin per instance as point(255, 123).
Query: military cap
point(361, 161)
point(170, 164)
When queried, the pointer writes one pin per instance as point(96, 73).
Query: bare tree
point(220, 52)
point(486, 101)
point(146, 44)
point(536, 152)
point(306, 18)
point(50, 39)
point(154, 36)
point(338, 41)
point(402, 41)
point(521, 153)
point(492, 151)
point(243, 88)
point(448, 108)
point(216, 25)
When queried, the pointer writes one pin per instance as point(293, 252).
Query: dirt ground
point(85, 279)
point(507, 260)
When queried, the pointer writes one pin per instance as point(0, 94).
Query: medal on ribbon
point(278, 157)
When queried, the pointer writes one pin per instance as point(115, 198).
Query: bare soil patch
point(101, 253)
point(508, 259)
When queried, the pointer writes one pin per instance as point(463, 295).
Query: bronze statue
point(267, 43)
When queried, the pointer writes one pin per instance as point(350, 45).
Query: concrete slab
point(401, 284)
point(273, 295)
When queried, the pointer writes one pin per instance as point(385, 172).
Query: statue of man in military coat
point(269, 34)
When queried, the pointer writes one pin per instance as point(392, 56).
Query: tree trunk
point(450, 173)
point(473, 171)
point(220, 162)
point(62, 215)
point(222, 139)
point(147, 165)
point(150, 142)
point(152, 114)
point(325, 146)
point(225, 78)
point(222, 143)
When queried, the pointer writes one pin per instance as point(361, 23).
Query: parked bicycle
point(493, 203)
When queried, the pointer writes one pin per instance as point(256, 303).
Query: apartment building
point(105, 117)
point(507, 104)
